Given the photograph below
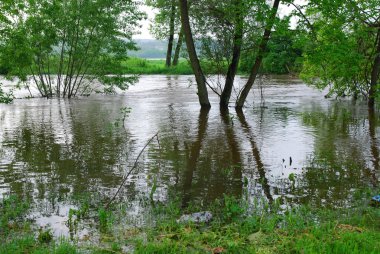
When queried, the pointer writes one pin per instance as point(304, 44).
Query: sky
point(144, 30)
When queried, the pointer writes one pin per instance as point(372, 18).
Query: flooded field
point(292, 145)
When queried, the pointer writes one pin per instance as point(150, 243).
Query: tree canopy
point(79, 41)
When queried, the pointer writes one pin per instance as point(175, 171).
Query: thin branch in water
point(131, 170)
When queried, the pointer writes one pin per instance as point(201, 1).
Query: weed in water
point(6, 98)
point(105, 219)
point(44, 236)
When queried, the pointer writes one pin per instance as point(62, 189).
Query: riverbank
point(235, 228)
point(142, 66)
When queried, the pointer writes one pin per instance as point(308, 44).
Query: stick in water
point(130, 171)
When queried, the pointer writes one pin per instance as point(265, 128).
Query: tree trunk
point(171, 36)
point(178, 48)
point(195, 64)
point(259, 58)
point(374, 74)
point(233, 67)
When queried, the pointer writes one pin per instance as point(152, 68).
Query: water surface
point(294, 146)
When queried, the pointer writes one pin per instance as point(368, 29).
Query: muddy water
point(293, 145)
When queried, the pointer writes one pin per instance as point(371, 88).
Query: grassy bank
point(235, 228)
point(155, 66)
point(301, 230)
point(141, 66)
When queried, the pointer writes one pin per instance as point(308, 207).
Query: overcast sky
point(144, 31)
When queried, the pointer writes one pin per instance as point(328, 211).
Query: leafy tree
point(80, 41)
point(227, 30)
point(284, 51)
point(166, 24)
point(259, 56)
point(343, 50)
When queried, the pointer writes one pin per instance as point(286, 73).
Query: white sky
point(144, 30)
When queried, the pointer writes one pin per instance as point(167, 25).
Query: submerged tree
point(227, 30)
point(194, 60)
point(259, 55)
point(80, 41)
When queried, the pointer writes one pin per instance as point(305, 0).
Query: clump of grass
point(105, 219)
point(75, 215)
point(6, 98)
point(44, 236)
point(11, 212)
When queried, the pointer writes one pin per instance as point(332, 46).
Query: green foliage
point(75, 215)
point(144, 66)
point(233, 208)
point(300, 230)
point(235, 228)
point(79, 41)
point(6, 97)
point(160, 26)
point(44, 236)
point(284, 52)
point(17, 236)
point(340, 50)
point(105, 219)
point(12, 211)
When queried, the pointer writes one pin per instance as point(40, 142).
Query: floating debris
point(200, 217)
point(375, 201)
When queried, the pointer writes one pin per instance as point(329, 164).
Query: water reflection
point(192, 161)
point(256, 155)
point(53, 149)
point(372, 123)
point(341, 160)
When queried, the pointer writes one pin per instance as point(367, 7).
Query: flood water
point(295, 146)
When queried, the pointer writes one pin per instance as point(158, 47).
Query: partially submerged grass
point(299, 230)
point(17, 235)
point(237, 227)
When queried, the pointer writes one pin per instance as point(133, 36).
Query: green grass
point(6, 98)
point(17, 236)
point(235, 228)
point(147, 67)
point(301, 230)
point(157, 67)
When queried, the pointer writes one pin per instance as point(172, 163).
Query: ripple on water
point(289, 147)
